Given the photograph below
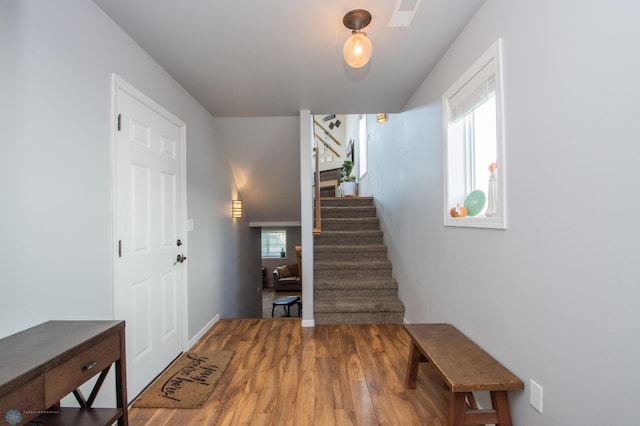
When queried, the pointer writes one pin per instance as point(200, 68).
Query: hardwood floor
point(283, 374)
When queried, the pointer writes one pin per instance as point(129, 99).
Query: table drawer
point(74, 372)
point(28, 399)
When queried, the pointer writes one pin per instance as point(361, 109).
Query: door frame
point(118, 83)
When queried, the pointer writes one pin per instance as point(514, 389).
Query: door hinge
point(119, 248)
point(119, 122)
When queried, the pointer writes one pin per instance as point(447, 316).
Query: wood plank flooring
point(283, 374)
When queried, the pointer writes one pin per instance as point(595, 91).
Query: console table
point(41, 365)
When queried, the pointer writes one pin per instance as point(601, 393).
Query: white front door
point(150, 230)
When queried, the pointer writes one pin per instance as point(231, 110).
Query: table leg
point(500, 401)
point(273, 308)
point(412, 368)
point(457, 408)
point(121, 382)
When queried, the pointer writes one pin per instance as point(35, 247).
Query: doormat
point(188, 382)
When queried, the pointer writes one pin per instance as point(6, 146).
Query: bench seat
point(465, 368)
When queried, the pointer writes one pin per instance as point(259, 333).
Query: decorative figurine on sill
point(492, 209)
point(459, 211)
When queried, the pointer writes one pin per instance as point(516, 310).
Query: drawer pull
point(89, 366)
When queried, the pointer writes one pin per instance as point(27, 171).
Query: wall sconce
point(358, 48)
point(236, 209)
point(381, 118)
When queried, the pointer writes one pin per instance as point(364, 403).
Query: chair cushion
point(283, 271)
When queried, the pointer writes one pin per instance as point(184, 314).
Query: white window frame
point(492, 58)
point(274, 231)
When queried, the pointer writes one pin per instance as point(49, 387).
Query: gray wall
point(555, 296)
point(264, 153)
point(55, 165)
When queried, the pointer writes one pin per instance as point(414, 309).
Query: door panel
point(150, 218)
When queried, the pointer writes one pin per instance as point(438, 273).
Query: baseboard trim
point(308, 323)
point(406, 321)
point(192, 342)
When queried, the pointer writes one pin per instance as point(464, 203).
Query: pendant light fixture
point(358, 48)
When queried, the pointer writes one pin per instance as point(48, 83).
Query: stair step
point(351, 270)
point(328, 318)
point(346, 201)
point(356, 293)
point(360, 288)
point(328, 192)
point(358, 310)
point(349, 253)
point(356, 284)
point(348, 238)
point(347, 310)
point(352, 304)
point(350, 224)
point(354, 265)
point(347, 212)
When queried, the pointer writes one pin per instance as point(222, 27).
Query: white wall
point(55, 165)
point(555, 296)
point(339, 133)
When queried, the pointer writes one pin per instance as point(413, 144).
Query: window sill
point(479, 221)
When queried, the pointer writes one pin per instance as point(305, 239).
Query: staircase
point(352, 276)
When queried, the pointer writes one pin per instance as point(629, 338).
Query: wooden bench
point(465, 368)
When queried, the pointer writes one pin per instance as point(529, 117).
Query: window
point(362, 146)
point(474, 146)
point(274, 243)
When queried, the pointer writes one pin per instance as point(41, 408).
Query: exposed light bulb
point(357, 50)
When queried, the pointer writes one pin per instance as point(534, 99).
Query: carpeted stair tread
point(344, 248)
point(355, 284)
point(358, 304)
point(350, 220)
point(374, 264)
point(338, 202)
point(359, 318)
point(349, 238)
point(351, 223)
point(348, 209)
point(347, 212)
point(350, 234)
point(347, 253)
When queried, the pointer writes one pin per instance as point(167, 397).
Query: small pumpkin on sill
point(459, 211)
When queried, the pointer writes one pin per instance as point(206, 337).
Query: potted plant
point(347, 180)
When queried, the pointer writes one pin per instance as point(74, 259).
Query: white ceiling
point(254, 58)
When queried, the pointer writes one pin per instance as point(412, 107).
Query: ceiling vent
point(403, 13)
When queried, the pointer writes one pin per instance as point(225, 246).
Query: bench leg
point(500, 401)
point(457, 408)
point(412, 368)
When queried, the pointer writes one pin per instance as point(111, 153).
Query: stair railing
point(326, 132)
point(317, 229)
